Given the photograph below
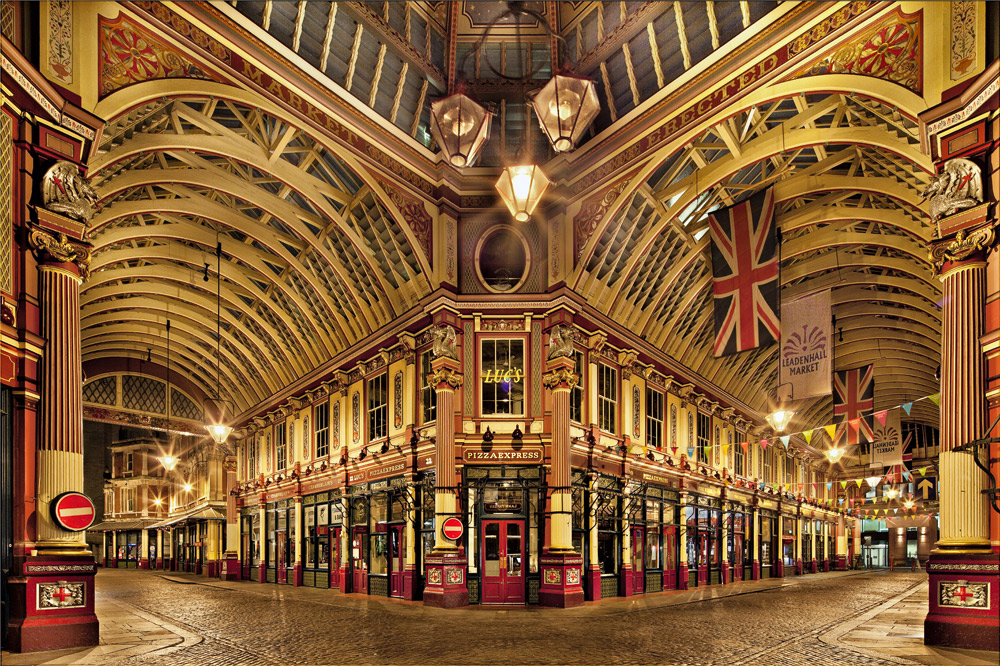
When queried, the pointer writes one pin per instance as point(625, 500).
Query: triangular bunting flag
point(744, 445)
point(923, 471)
point(843, 484)
point(829, 484)
point(907, 406)
point(763, 443)
point(880, 416)
point(690, 452)
point(858, 481)
point(906, 475)
point(831, 430)
point(725, 450)
point(936, 399)
point(808, 434)
point(785, 439)
point(645, 449)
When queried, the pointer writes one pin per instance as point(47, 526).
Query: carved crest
point(445, 342)
point(958, 187)
point(560, 341)
point(65, 191)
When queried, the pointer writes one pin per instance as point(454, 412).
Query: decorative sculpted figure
point(445, 342)
point(560, 341)
point(65, 191)
point(959, 186)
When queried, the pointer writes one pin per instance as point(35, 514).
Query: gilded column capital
point(61, 249)
point(560, 378)
point(442, 377)
point(962, 247)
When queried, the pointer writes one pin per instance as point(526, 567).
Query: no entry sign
point(452, 529)
point(73, 511)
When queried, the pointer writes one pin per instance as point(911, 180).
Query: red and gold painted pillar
point(447, 564)
point(562, 567)
point(52, 601)
point(964, 571)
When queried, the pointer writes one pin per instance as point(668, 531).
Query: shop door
point(359, 555)
point(335, 557)
point(638, 549)
point(281, 544)
point(503, 561)
point(670, 558)
point(737, 557)
point(705, 551)
point(397, 556)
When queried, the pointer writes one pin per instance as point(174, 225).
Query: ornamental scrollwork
point(957, 187)
point(445, 376)
point(560, 377)
point(62, 249)
point(65, 191)
point(963, 246)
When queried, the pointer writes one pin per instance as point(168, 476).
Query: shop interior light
point(779, 420)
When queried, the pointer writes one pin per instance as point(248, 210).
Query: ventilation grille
point(101, 391)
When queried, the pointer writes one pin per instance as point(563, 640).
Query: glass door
point(704, 556)
point(397, 557)
point(638, 572)
point(359, 557)
point(281, 543)
point(502, 549)
point(737, 556)
point(670, 557)
point(333, 556)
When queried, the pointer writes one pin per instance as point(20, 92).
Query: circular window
point(502, 259)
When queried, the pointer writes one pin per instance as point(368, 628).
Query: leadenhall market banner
point(887, 448)
point(806, 339)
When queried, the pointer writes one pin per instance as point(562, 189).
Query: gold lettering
point(251, 73)
point(770, 63)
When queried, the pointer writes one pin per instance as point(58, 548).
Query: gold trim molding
point(61, 249)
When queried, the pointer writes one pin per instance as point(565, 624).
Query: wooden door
point(638, 549)
point(737, 557)
point(281, 545)
point(704, 556)
point(397, 558)
point(247, 556)
point(359, 557)
point(502, 548)
point(669, 557)
point(334, 537)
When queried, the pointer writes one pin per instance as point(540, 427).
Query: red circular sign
point(73, 511)
point(452, 529)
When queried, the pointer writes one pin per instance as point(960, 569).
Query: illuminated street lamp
point(168, 462)
point(219, 432)
point(834, 454)
point(779, 420)
point(566, 106)
point(461, 127)
point(521, 188)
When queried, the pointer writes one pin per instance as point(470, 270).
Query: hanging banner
point(806, 337)
point(853, 402)
point(887, 447)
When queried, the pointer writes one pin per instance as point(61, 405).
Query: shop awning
point(204, 513)
point(121, 525)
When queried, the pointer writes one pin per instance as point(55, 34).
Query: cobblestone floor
point(806, 620)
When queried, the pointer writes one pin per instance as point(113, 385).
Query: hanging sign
point(887, 447)
point(452, 528)
point(500, 455)
point(806, 336)
point(73, 511)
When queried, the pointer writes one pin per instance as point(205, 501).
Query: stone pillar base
point(626, 582)
point(561, 580)
point(345, 577)
point(755, 571)
point(212, 568)
point(725, 573)
point(296, 575)
point(779, 569)
point(592, 585)
point(964, 596)
point(143, 563)
point(52, 603)
point(261, 572)
point(446, 587)
point(841, 562)
point(231, 567)
point(409, 593)
point(798, 568)
point(812, 567)
point(159, 563)
point(682, 577)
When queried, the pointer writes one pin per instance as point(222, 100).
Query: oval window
point(502, 259)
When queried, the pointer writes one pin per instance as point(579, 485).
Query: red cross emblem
point(62, 594)
point(962, 594)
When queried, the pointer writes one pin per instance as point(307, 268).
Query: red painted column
point(562, 567)
point(52, 588)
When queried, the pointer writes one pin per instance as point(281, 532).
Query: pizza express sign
point(503, 455)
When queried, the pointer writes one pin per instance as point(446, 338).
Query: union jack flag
point(853, 398)
point(745, 275)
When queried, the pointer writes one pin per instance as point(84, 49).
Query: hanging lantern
point(521, 188)
point(779, 419)
point(461, 127)
point(834, 454)
point(566, 106)
point(219, 432)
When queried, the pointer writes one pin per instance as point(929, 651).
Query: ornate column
point(682, 528)
point(725, 543)
point(755, 573)
point(798, 543)
point(52, 605)
point(562, 567)
point(159, 549)
point(447, 564)
point(231, 567)
point(594, 572)
point(262, 539)
point(297, 567)
point(841, 544)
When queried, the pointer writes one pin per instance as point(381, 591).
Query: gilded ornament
point(560, 377)
point(445, 342)
point(62, 249)
point(959, 186)
point(445, 376)
point(65, 191)
point(963, 246)
point(560, 342)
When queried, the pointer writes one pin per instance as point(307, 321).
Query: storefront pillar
point(231, 566)
point(159, 549)
point(410, 545)
point(447, 563)
point(841, 544)
point(798, 545)
point(594, 572)
point(755, 574)
point(562, 567)
point(262, 566)
point(297, 565)
point(345, 544)
point(626, 581)
point(144, 549)
point(52, 603)
point(725, 549)
point(812, 550)
point(964, 574)
point(778, 557)
point(682, 559)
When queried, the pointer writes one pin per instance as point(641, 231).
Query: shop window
point(309, 518)
point(577, 392)
point(766, 455)
point(607, 398)
point(703, 437)
point(654, 419)
point(378, 408)
point(379, 538)
point(741, 459)
point(321, 419)
point(128, 463)
point(428, 393)
point(502, 378)
point(281, 447)
point(129, 498)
